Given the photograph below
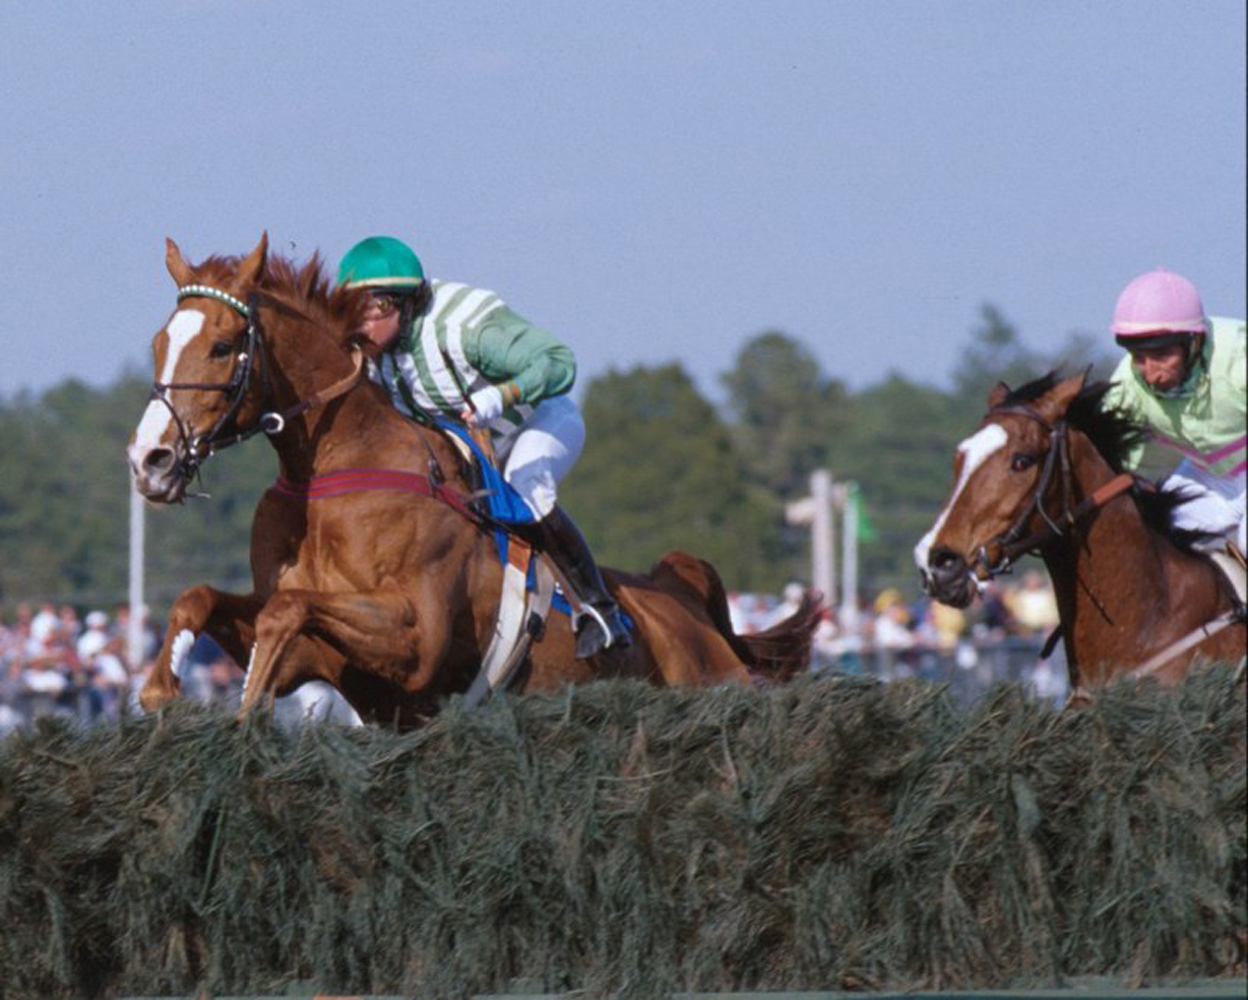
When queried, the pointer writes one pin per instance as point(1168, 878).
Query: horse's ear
point(252, 266)
point(179, 269)
point(998, 394)
point(1053, 405)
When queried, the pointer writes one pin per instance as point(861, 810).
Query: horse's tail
point(783, 649)
point(776, 653)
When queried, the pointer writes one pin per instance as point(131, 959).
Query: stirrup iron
point(594, 633)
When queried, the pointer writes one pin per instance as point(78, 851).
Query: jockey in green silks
point(1185, 377)
point(439, 347)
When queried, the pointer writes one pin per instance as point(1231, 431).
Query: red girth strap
point(336, 484)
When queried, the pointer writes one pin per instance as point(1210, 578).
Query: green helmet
point(381, 262)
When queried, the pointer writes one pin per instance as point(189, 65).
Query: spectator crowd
point(999, 638)
point(54, 662)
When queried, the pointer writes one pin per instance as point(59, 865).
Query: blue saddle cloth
point(503, 503)
point(504, 506)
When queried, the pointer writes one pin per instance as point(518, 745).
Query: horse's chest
point(334, 551)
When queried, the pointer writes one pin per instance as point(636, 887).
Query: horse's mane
point(1115, 434)
point(309, 288)
point(306, 286)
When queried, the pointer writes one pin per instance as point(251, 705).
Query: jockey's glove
point(486, 405)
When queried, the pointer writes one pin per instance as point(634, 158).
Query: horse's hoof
point(151, 700)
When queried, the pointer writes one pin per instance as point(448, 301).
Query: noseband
point(1012, 543)
point(195, 451)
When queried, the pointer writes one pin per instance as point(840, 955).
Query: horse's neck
point(1121, 587)
point(359, 430)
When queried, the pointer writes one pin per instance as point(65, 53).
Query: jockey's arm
point(527, 362)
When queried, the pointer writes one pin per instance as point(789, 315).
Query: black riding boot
point(601, 626)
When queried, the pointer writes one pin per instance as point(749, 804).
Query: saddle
point(1231, 564)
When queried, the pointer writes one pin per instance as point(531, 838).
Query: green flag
point(866, 530)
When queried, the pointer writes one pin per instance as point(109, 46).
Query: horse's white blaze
point(975, 450)
point(182, 329)
point(180, 652)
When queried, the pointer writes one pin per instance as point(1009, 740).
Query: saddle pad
point(503, 503)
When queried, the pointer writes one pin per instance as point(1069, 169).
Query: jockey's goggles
point(385, 304)
point(1155, 341)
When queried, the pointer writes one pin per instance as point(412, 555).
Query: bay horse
point(1044, 473)
point(388, 588)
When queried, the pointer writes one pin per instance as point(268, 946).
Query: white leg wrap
point(181, 652)
point(317, 701)
point(251, 662)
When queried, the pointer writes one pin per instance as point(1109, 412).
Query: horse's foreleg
point(227, 618)
point(378, 632)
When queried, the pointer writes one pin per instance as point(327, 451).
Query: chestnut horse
point(388, 590)
point(1044, 474)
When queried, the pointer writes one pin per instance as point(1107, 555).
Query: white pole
point(822, 538)
point(134, 630)
point(849, 558)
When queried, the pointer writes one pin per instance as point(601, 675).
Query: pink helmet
point(1159, 302)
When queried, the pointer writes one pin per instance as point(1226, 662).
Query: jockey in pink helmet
point(1185, 377)
point(1159, 318)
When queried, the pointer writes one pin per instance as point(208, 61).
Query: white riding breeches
point(543, 451)
point(1216, 504)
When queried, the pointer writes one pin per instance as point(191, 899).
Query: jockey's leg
point(563, 542)
point(543, 452)
point(1215, 505)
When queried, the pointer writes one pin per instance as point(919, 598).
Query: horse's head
point(206, 359)
point(1003, 481)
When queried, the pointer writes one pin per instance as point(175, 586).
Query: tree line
point(662, 468)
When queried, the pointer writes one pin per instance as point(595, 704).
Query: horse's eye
point(222, 348)
point(1022, 462)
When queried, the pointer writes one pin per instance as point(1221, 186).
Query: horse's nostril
point(158, 460)
point(945, 561)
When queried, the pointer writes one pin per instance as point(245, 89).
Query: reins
point(1116, 486)
point(250, 359)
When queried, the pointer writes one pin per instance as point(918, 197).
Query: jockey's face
point(1163, 368)
point(381, 325)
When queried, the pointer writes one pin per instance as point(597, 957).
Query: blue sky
point(651, 181)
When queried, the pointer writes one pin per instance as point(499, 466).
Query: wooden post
point(816, 511)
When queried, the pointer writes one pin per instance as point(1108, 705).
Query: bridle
point(1013, 543)
point(251, 359)
point(195, 451)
